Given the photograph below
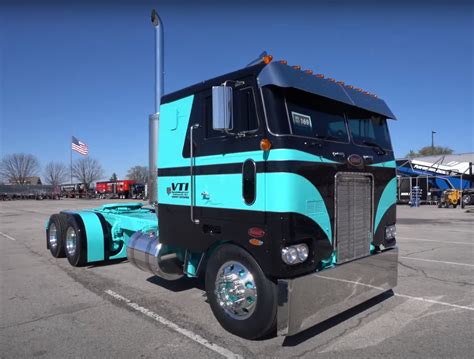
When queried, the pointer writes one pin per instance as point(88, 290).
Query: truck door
point(226, 183)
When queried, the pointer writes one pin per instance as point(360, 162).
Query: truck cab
point(327, 179)
point(276, 186)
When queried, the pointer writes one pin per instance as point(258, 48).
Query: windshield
point(307, 115)
point(369, 131)
point(298, 113)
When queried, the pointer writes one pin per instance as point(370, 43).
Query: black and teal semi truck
point(275, 185)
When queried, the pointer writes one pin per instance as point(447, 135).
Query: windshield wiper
point(376, 145)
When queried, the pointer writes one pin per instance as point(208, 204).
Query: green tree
point(113, 177)
point(430, 151)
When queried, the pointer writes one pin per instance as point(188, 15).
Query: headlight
point(295, 254)
point(390, 232)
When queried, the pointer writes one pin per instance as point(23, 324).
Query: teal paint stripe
point(388, 198)
point(387, 164)
point(276, 192)
point(95, 236)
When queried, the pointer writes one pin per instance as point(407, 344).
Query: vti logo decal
point(178, 190)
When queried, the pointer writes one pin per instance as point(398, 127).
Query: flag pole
point(70, 147)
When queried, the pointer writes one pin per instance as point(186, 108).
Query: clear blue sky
point(87, 69)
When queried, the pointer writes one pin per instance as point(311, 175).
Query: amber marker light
point(267, 59)
point(265, 144)
point(331, 79)
point(350, 87)
point(283, 62)
point(340, 83)
point(297, 67)
point(309, 72)
point(319, 76)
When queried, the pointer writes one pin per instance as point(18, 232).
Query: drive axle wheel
point(242, 299)
point(75, 244)
point(55, 234)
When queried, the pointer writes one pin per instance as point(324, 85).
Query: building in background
point(434, 174)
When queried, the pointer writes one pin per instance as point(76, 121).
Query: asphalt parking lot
point(50, 309)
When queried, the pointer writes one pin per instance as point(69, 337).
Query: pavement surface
point(50, 309)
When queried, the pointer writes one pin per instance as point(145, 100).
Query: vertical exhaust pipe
point(153, 127)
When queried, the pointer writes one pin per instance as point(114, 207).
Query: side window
point(249, 181)
point(245, 111)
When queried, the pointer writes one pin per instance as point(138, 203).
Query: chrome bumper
point(313, 298)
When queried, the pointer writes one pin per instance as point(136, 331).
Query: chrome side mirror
point(222, 108)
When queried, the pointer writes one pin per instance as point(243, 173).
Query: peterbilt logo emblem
point(355, 161)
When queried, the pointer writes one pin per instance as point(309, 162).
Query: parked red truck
point(114, 189)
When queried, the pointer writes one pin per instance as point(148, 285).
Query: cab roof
point(282, 75)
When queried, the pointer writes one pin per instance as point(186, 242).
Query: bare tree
point(18, 167)
point(55, 173)
point(87, 170)
point(138, 173)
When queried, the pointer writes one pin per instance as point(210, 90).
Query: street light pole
point(432, 140)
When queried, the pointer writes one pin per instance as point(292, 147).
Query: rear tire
point(250, 315)
point(75, 244)
point(55, 234)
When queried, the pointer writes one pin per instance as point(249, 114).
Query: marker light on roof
point(331, 79)
point(297, 67)
point(309, 72)
point(359, 90)
point(267, 59)
point(350, 87)
point(320, 76)
point(340, 83)
point(283, 62)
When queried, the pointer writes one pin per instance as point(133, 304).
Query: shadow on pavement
point(179, 285)
point(332, 322)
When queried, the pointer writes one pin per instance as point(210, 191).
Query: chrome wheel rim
point(53, 236)
point(235, 290)
point(71, 241)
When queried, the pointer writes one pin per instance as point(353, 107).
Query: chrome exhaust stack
point(145, 252)
point(153, 120)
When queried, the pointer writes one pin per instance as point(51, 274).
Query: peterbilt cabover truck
point(276, 185)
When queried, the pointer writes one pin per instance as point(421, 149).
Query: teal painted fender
point(94, 235)
point(387, 199)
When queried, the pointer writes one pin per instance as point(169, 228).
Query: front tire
point(242, 298)
point(75, 244)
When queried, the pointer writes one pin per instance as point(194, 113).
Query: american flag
point(79, 146)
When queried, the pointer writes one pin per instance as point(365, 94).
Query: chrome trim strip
point(191, 173)
point(316, 297)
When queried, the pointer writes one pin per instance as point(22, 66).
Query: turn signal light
point(265, 144)
point(267, 59)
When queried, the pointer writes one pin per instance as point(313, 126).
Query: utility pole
point(432, 141)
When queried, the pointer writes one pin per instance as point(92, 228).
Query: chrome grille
point(353, 216)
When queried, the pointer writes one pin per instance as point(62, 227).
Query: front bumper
point(313, 298)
